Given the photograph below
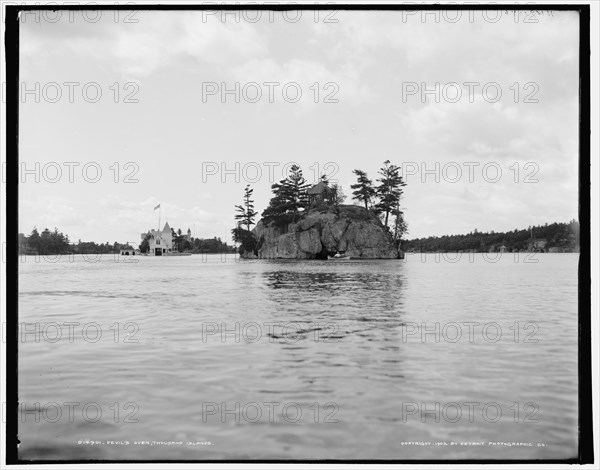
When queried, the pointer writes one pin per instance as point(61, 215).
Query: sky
point(122, 111)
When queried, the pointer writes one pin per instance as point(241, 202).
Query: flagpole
point(159, 209)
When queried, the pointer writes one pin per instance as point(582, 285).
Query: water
point(340, 358)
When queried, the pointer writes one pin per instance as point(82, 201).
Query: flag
point(157, 207)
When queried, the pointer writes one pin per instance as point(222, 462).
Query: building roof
point(319, 188)
point(167, 228)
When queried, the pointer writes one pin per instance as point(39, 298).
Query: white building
point(161, 242)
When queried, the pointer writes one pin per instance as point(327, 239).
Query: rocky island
point(351, 230)
point(311, 222)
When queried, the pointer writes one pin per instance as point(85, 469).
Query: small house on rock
point(319, 193)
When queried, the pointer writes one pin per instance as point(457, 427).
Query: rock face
point(351, 230)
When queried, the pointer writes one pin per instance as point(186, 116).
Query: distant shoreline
point(112, 253)
point(548, 238)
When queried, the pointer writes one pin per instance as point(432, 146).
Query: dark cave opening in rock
point(322, 254)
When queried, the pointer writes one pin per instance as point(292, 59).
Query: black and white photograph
point(299, 233)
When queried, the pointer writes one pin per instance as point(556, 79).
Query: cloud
point(49, 212)
point(319, 84)
point(157, 41)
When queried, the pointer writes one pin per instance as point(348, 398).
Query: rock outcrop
point(351, 230)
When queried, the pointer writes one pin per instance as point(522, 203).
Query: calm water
point(329, 360)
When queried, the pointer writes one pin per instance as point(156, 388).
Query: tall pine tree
point(363, 189)
point(296, 187)
point(289, 196)
point(400, 225)
point(389, 190)
point(245, 217)
point(246, 212)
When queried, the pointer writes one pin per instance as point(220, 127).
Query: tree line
point(56, 242)
point(548, 237)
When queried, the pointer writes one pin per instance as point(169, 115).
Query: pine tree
point(296, 187)
point(245, 217)
point(289, 196)
point(363, 189)
point(337, 196)
point(246, 213)
point(389, 190)
point(400, 225)
point(33, 241)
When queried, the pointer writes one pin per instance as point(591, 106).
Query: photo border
point(12, 48)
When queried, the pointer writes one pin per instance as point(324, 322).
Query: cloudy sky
point(163, 132)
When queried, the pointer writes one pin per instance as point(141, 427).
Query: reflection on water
point(298, 360)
